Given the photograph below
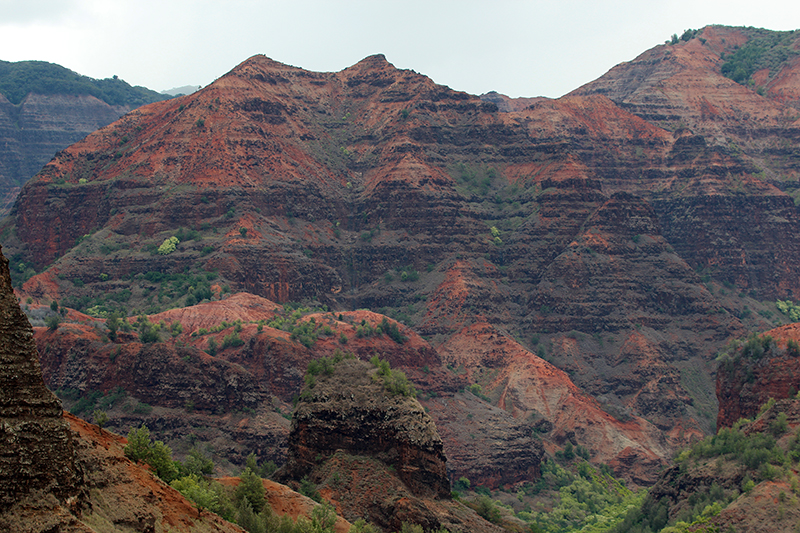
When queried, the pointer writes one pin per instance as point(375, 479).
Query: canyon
point(547, 273)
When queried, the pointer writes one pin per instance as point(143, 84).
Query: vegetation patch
point(764, 50)
point(756, 457)
point(394, 381)
point(19, 79)
point(304, 331)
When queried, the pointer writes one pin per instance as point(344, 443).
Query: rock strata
point(753, 371)
point(373, 453)
point(36, 449)
point(352, 412)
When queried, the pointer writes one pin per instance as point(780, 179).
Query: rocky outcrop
point(37, 449)
point(59, 473)
point(747, 496)
point(118, 494)
point(351, 411)
point(753, 371)
point(374, 453)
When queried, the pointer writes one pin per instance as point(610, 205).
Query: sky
point(515, 47)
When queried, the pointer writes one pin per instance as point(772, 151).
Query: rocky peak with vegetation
point(360, 437)
point(366, 409)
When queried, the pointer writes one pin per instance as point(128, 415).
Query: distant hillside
point(45, 107)
point(178, 91)
point(17, 80)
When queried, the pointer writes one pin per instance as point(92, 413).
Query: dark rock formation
point(351, 411)
point(36, 449)
point(60, 474)
point(375, 454)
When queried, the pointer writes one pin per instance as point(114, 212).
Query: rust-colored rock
point(756, 370)
point(375, 454)
point(624, 232)
point(58, 473)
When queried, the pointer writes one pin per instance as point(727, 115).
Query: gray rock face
point(32, 132)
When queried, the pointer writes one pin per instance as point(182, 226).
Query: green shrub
point(100, 418)
point(394, 381)
point(148, 332)
point(52, 322)
point(487, 509)
point(168, 246)
point(197, 464)
point(212, 347)
point(764, 49)
point(197, 489)
point(309, 489)
point(232, 340)
point(157, 454)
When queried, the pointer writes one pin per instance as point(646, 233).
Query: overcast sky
point(516, 47)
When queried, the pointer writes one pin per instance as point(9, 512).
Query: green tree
point(197, 490)
point(198, 464)
point(113, 325)
point(52, 322)
point(251, 489)
point(168, 246)
point(323, 518)
point(308, 488)
point(156, 454)
point(488, 510)
point(248, 519)
point(161, 461)
point(138, 447)
point(361, 526)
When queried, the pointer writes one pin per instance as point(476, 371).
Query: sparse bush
point(100, 418)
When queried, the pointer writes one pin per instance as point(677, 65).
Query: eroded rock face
point(750, 375)
point(599, 230)
point(41, 125)
point(352, 412)
point(374, 454)
point(759, 509)
point(36, 450)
